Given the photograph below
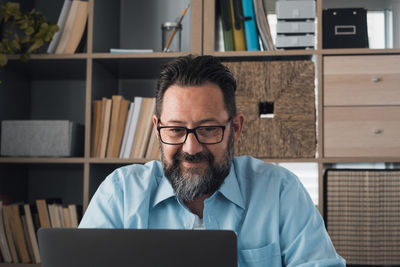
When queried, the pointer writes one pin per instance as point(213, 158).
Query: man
point(199, 184)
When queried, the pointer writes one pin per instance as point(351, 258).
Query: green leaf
point(23, 25)
point(15, 45)
point(3, 60)
point(54, 28)
point(48, 36)
point(6, 45)
point(30, 30)
point(13, 9)
point(38, 43)
point(12, 12)
point(26, 32)
point(44, 26)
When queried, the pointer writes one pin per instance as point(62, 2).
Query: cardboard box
point(41, 138)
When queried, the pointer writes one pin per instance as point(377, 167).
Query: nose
point(192, 146)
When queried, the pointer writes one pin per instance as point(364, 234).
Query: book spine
point(18, 233)
point(9, 234)
point(32, 234)
point(5, 250)
point(61, 23)
point(126, 131)
point(78, 28)
point(132, 129)
point(112, 139)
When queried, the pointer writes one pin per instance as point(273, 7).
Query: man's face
point(195, 169)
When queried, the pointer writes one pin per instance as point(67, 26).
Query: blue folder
point(250, 28)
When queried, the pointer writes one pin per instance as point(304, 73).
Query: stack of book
point(20, 222)
point(72, 23)
point(124, 129)
point(244, 25)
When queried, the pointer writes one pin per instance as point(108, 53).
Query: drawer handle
point(376, 79)
point(377, 131)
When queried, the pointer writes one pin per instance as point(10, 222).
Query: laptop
point(66, 247)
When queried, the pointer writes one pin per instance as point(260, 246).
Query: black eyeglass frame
point(193, 130)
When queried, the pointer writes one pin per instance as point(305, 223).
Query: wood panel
point(362, 80)
point(361, 132)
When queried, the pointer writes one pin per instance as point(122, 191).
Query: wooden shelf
point(20, 265)
point(360, 159)
point(293, 52)
point(299, 160)
point(119, 161)
point(138, 55)
point(52, 56)
point(40, 160)
point(358, 51)
point(274, 53)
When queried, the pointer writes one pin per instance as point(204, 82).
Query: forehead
point(193, 103)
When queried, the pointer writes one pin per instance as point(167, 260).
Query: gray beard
point(191, 184)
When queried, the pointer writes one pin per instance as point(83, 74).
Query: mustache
point(196, 158)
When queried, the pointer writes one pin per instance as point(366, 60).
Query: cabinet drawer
point(362, 131)
point(362, 80)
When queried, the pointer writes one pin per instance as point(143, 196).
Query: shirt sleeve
point(106, 207)
point(304, 240)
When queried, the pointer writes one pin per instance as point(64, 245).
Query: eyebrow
point(208, 120)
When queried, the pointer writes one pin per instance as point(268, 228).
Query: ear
point(155, 120)
point(237, 122)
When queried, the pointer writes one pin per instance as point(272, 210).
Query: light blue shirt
point(275, 220)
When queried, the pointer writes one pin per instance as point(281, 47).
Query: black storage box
point(345, 28)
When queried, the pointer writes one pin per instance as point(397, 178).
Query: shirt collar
point(230, 189)
point(164, 190)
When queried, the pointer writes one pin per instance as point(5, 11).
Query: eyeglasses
point(177, 135)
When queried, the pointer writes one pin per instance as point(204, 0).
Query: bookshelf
point(64, 86)
point(317, 55)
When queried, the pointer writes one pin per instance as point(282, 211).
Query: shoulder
point(258, 179)
point(136, 177)
point(257, 171)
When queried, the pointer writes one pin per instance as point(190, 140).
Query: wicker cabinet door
point(278, 101)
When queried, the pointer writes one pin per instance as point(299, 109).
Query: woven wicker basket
point(362, 215)
point(289, 85)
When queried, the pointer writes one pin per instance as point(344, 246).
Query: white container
point(295, 9)
point(295, 27)
point(292, 41)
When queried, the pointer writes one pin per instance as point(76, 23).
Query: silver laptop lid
point(136, 247)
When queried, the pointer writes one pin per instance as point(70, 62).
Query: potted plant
point(23, 33)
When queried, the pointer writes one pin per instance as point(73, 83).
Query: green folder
point(226, 24)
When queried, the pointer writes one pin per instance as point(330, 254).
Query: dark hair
point(193, 70)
